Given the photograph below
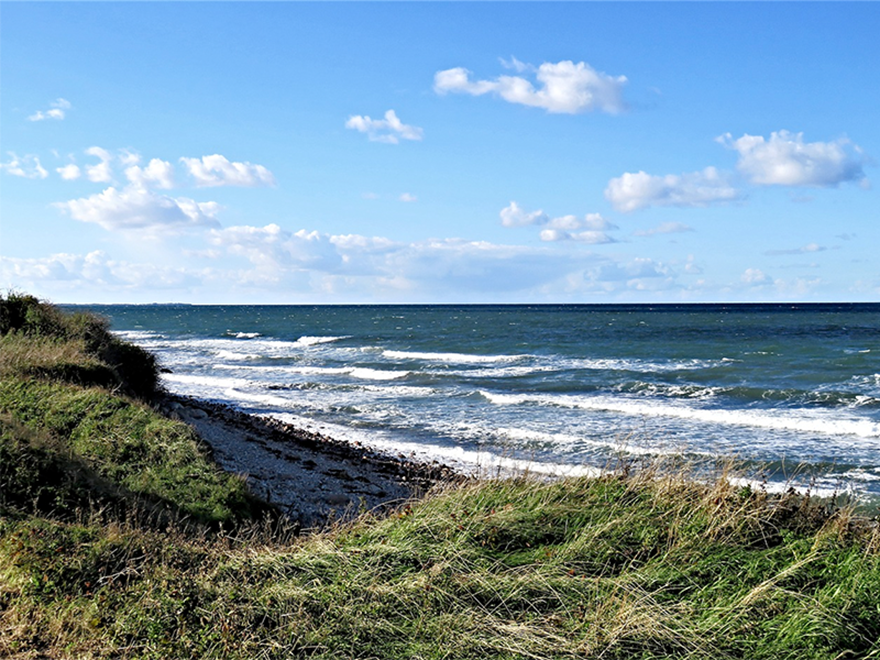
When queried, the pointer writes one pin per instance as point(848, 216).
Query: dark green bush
point(134, 370)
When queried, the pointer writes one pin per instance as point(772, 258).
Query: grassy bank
point(118, 539)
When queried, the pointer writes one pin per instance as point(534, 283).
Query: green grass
point(77, 433)
point(119, 539)
point(644, 566)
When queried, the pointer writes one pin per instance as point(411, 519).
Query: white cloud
point(28, 166)
point(95, 272)
point(591, 221)
point(379, 268)
point(129, 157)
point(804, 249)
point(134, 208)
point(665, 228)
point(564, 87)
point(101, 172)
point(638, 190)
point(786, 160)
point(216, 170)
point(69, 172)
point(515, 65)
point(514, 216)
point(754, 276)
point(406, 197)
point(157, 172)
point(589, 237)
point(389, 130)
point(57, 110)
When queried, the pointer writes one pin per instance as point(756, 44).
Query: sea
point(790, 392)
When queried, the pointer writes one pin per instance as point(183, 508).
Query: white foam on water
point(236, 357)
point(138, 336)
point(469, 461)
point(362, 373)
point(460, 358)
point(246, 335)
point(635, 365)
point(497, 372)
point(377, 374)
point(811, 421)
point(265, 399)
point(205, 381)
point(314, 341)
point(618, 445)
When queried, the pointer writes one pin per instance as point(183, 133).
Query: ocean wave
point(789, 420)
point(314, 341)
point(461, 358)
point(377, 374)
point(236, 357)
point(205, 381)
point(635, 365)
point(363, 373)
point(138, 336)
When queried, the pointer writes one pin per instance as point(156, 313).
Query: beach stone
point(336, 499)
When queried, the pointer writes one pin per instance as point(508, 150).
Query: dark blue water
point(792, 390)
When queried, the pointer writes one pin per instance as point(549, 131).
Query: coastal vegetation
point(119, 538)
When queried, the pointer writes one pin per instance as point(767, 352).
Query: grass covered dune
point(119, 538)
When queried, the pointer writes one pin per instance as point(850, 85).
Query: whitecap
point(462, 358)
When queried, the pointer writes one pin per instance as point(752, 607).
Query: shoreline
point(309, 477)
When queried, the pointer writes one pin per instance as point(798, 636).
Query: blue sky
point(440, 152)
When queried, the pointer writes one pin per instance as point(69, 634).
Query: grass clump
point(38, 339)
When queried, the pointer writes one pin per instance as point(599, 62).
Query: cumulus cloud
point(69, 172)
point(389, 130)
point(513, 215)
point(57, 110)
point(27, 167)
point(638, 190)
point(786, 160)
point(159, 173)
point(665, 228)
point(135, 208)
point(407, 197)
point(563, 87)
point(100, 173)
point(217, 170)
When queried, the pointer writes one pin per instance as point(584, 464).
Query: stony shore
point(311, 478)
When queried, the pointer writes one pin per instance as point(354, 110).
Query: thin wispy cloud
point(57, 110)
point(26, 167)
point(665, 228)
point(389, 130)
point(809, 248)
